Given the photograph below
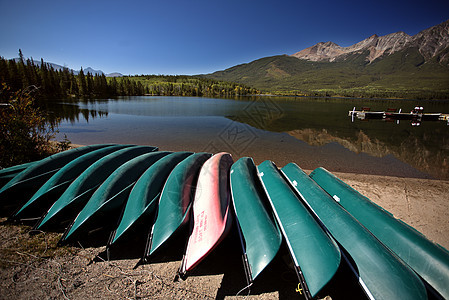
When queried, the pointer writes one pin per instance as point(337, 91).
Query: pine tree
point(82, 85)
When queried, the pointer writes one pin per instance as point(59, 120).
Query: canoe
point(144, 196)
point(211, 211)
point(51, 190)
point(19, 189)
point(261, 236)
point(104, 207)
point(175, 201)
point(380, 273)
point(429, 260)
point(315, 254)
point(7, 174)
point(81, 189)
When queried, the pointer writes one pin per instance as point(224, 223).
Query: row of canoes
point(324, 223)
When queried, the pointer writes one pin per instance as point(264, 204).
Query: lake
point(312, 132)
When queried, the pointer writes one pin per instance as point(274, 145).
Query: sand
point(38, 273)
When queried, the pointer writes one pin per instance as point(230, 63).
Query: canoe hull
point(380, 273)
point(211, 210)
point(19, 189)
point(261, 236)
point(176, 199)
point(144, 197)
point(316, 255)
point(429, 260)
point(108, 200)
point(53, 188)
point(81, 189)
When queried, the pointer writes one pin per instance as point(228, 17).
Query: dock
point(416, 115)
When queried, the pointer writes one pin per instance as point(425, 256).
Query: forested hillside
point(400, 75)
point(48, 83)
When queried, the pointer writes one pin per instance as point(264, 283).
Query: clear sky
point(196, 36)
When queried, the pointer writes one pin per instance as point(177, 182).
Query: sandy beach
point(45, 271)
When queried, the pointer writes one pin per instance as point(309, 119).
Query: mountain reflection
point(412, 150)
point(317, 122)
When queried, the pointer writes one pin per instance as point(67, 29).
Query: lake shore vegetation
point(25, 133)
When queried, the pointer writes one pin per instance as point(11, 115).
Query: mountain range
point(394, 65)
point(85, 71)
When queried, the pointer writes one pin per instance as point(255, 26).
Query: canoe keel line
point(138, 191)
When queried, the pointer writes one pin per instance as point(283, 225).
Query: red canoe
point(211, 213)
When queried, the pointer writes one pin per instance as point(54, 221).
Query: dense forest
point(48, 83)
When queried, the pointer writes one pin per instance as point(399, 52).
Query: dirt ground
point(32, 267)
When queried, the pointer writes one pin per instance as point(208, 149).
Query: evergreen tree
point(82, 85)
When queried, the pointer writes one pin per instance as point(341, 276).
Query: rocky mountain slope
point(432, 43)
point(394, 66)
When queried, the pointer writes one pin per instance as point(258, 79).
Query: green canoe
point(316, 255)
point(381, 274)
point(429, 260)
point(41, 201)
point(104, 207)
point(175, 201)
point(144, 196)
point(261, 236)
point(82, 188)
point(9, 173)
point(19, 189)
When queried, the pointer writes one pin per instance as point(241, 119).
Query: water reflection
point(316, 121)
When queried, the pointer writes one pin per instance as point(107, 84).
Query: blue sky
point(195, 36)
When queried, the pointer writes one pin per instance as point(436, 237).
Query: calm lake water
point(311, 132)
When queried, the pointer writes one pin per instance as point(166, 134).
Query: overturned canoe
point(261, 236)
point(429, 260)
point(211, 211)
point(19, 189)
point(380, 273)
point(53, 188)
point(315, 254)
point(143, 198)
point(9, 173)
point(81, 189)
point(176, 199)
point(104, 207)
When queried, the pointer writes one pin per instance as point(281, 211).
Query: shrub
point(24, 133)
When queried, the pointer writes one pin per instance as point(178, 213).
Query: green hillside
point(403, 74)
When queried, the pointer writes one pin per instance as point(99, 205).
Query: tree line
point(46, 82)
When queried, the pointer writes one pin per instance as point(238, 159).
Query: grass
point(17, 244)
